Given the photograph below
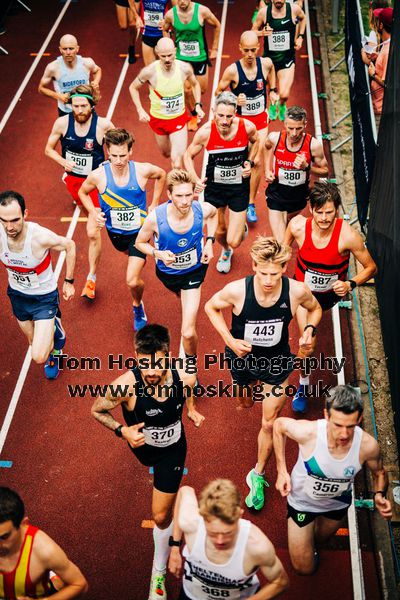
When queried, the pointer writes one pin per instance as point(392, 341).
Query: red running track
point(80, 483)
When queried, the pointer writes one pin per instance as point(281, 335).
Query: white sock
point(91, 277)
point(161, 548)
point(304, 380)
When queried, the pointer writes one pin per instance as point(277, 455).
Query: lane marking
point(28, 357)
point(147, 524)
point(44, 54)
point(35, 63)
point(6, 464)
point(69, 219)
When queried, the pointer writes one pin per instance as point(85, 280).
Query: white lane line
point(71, 229)
point(29, 74)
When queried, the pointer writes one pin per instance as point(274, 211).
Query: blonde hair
point(178, 176)
point(268, 249)
point(220, 499)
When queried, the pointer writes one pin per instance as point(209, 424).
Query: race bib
point(172, 106)
point(263, 333)
point(254, 106)
point(24, 281)
point(279, 41)
point(189, 48)
point(230, 175)
point(83, 162)
point(320, 282)
point(201, 591)
point(185, 260)
point(292, 177)
point(152, 18)
point(160, 437)
point(319, 488)
point(127, 219)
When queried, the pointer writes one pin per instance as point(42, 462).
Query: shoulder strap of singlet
point(336, 234)
point(269, 13)
point(308, 229)
point(281, 138)
point(288, 11)
point(71, 125)
point(260, 74)
point(28, 239)
point(93, 126)
point(242, 74)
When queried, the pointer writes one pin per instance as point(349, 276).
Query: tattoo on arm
point(101, 412)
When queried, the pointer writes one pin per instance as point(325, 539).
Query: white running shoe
point(224, 261)
point(157, 586)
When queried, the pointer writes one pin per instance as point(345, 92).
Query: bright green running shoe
point(282, 112)
point(157, 586)
point(273, 112)
point(256, 483)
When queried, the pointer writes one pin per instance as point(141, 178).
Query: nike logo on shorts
point(193, 282)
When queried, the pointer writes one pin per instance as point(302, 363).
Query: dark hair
point(323, 192)
point(10, 196)
point(11, 507)
point(297, 113)
point(345, 399)
point(151, 339)
point(118, 137)
point(85, 89)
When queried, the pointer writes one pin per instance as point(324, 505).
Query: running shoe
point(251, 214)
point(299, 402)
point(193, 124)
point(89, 291)
point(282, 112)
point(59, 334)
point(51, 369)
point(139, 317)
point(256, 483)
point(224, 261)
point(131, 55)
point(272, 112)
point(157, 586)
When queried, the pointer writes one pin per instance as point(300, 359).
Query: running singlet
point(152, 13)
point(17, 583)
point(168, 100)
point(187, 246)
point(27, 274)
point(279, 46)
point(320, 268)
point(254, 89)
point(69, 78)
point(162, 419)
point(85, 152)
point(205, 580)
point(321, 483)
point(266, 329)
point(290, 184)
point(226, 157)
point(124, 207)
point(189, 37)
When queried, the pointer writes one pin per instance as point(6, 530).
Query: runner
point(232, 145)
point(331, 452)
point(282, 25)
point(127, 18)
point(168, 119)
point(32, 288)
point(223, 552)
point(325, 243)
point(81, 136)
point(31, 563)
point(66, 72)
point(248, 79)
point(187, 20)
point(290, 156)
point(257, 345)
point(152, 409)
point(121, 185)
point(152, 13)
point(181, 256)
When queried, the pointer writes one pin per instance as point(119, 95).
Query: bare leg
point(134, 280)
point(40, 335)
point(236, 228)
point(178, 141)
point(301, 547)
point(94, 236)
point(190, 300)
point(278, 221)
point(272, 406)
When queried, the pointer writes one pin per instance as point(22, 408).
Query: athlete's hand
point(274, 97)
point(267, 31)
point(298, 43)
point(100, 220)
point(144, 117)
point(133, 436)
point(306, 342)
point(166, 256)
point(175, 561)
point(69, 166)
point(240, 347)
point(383, 506)
point(300, 162)
point(139, 23)
point(199, 112)
point(269, 176)
point(68, 290)
point(283, 484)
point(341, 288)
point(200, 186)
point(151, 207)
point(246, 169)
point(207, 253)
point(63, 97)
point(196, 417)
point(241, 100)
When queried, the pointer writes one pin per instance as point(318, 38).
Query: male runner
point(168, 119)
point(331, 452)
point(222, 551)
point(282, 25)
point(181, 256)
point(127, 18)
point(232, 145)
point(121, 185)
point(66, 72)
point(325, 243)
point(30, 561)
point(248, 78)
point(81, 136)
point(152, 409)
point(187, 20)
point(257, 345)
point(151, 21)
point(290, 156)
point(32, 288)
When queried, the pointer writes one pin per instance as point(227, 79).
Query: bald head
point(164, 44)
point(68, 40)
point(249, 38)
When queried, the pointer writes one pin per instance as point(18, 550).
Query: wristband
point(308, 167)
point(312, 327)
point(118, 431)
point(379, 492)
point(210, 237)
point(275, 89)
point(69, 280)
point(198, 104)
point(172, 542)
point(300, 35)
point(352, 283)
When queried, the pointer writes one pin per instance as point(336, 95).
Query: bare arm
point(259, 23)
point(50, 150)
point(319, 165)
point(229, 76)
point(300, 18)
point(150, 171)
point(196, 89)
point(186, 517)
point(354, 242)
point(270, 143)
point(263, 554)
point(289, 235)
point(189, 381)
point(52, 241)
point(210, 217)
point(89, 185)
point(136, 84)
point(274, 96)
point(300, 432)
point(198, 144)
point(46, 81)
point(380, 478)
point(212, 20)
